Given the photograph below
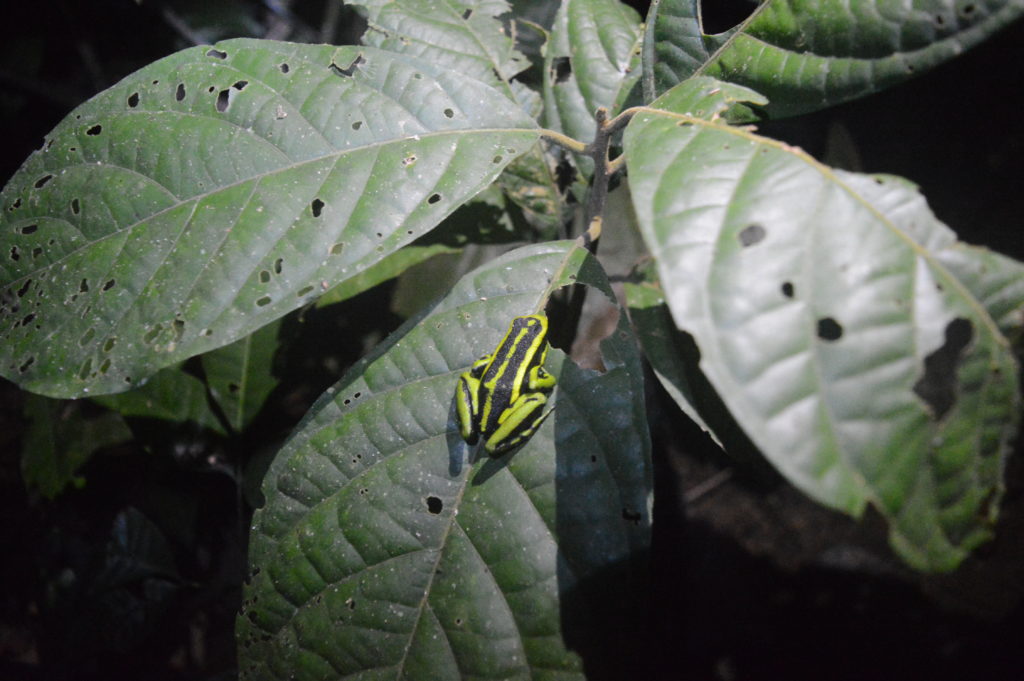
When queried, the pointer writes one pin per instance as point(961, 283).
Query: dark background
point(750, 579)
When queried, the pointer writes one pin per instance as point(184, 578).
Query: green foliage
point(828, 316)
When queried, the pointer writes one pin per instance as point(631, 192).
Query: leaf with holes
point(218, 189)
point(862, 348)
point(385, 548)
point(808, 56)
point(592, 60)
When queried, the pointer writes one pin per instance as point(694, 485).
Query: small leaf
point(592, 60)
point(840, 322)
point(171, 395)
point(60, 440)
point(383, 546)
point(808, 56)
point(219, 188)
point(240, 376)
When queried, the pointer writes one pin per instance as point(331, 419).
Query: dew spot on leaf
point(751, 235)
point(937, 385)
point(829, 329)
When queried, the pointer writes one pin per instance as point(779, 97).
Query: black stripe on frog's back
point(510, 356)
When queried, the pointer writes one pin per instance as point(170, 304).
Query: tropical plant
point(826, 315)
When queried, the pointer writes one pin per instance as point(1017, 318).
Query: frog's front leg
point(467, 402)
point(519, 421)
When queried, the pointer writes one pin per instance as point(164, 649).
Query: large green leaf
point(810, 55)
point(859, 344)
point(385, 550)
point(220, 188)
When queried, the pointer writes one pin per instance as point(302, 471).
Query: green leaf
point(217, 189)
point(170, 395)
point(807, 56)
point(386, 550)
point(862, 348)
point(240, 376)
point(60, 440)
point(592, 60)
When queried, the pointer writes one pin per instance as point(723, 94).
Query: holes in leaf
point(15, 255)
point(317, 207)
point(109, 284)
point(829, 329)
point(434, 198)
point(223, 100)
point(561, 69)
point(28, 319)
point(86, 369)
point(216, 54)
point(787, 289)
point(84, 286)
point(240, 85)
point(94, 130)
point(133, 100)
point(264, 301)
point(105, 366)
point(938, 384)
point(357, 124)
point(337, 248)
point(305, 291)
point(349, 400)
point(264, 277)
point(109, 344)
point(24, 288)
point(497, 159)
point(179, 92)
point(178, 326)
point(152, 334)
point(632, 516)
point(967, 10)
point(26, 364)
point(448, 113)
point(434, 505)
point(89, 334)
point(751, 235)
point(233, 388)
point(16, 205)
point(408, 160)
point(350, 603)
point(41, 182)
point(29, 229)
point(36, 252)
point(285, 68)
point(76, 207)
point(467, 14)
point(349, 70)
